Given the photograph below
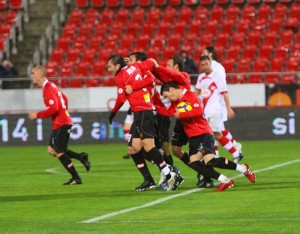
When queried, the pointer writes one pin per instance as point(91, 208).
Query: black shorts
point(163, 126)
point(143, 125)
point(203, 142)
point(59, 139)
point(179, 137)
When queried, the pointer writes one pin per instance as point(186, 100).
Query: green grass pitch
point(33, 200)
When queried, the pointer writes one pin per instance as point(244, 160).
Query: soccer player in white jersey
point(216, 66)
point(211, 89)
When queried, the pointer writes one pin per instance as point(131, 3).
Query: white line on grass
point(102, 217)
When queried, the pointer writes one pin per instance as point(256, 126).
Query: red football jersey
point(193, 121)
point(165, 75)
point(57, 106)
point(139, 99)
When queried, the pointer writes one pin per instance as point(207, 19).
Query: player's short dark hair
point(204, 57)
point(166, 87)
point(142, 56)
point(213, 51)
point(117, 59)
point(177, 60)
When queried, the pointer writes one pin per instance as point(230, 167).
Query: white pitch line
point(102, 217)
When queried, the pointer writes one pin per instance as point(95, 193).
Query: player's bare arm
point(32, 115)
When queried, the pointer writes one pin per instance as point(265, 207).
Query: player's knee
point(177, 151)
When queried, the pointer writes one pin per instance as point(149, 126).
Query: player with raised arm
point(57, 109)
point(142, 108)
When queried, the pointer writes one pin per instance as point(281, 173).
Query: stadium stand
point(247, 34)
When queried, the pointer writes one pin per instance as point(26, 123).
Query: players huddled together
point(199, 114)
point(200, 117)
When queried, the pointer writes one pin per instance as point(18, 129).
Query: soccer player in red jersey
point(57, 109)
point(142, 108)
point(201, 139)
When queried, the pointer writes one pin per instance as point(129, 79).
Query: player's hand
point(128, 89)
point(32, 115)
point(155, 62)
point(230, 113)
point(112, 115)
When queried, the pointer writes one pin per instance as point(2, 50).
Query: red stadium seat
point(280, 11)
point(3, 4)
point(11, 17)
point(93, 80)
point(92, 16)
point(254, 2)
point(83, 68)
point(127, 42)
point(185, 14)
point(113, 3)
point(99, 67)
point(79, 42)
point(295, 50)
point(275, 24)
point(64, 42)
point(138, 15)
point(260, 25)
point(5, 30)
point(292, 23)
point(75, 16)
point(265, 50)
point(285, 1)
point(67, 68)
point(238, 38)
point(128, 3)
point(101, 30)
point(57, 55)
point(132, 28)
point(216, 13)
point(97, 3)
point(164, 28)
point(264, 11)
point(153, 52)
point(229, 64)
point(160, 3)
point(248, 13)
point(233, 51)
point(222, 2)
point(286, 37)
point(211, 26)
point(148, 28)
point(16, 4)
point(175, 3)
point(168, 52)
point(144, 3)
point(76, 81)
point(205, 2)
point(123, 15)
point(242, 66)
point(243, 25)
point(82, 3)
point(69, 30)
point(154, 15)
point(107, 16)
point(222, 39)
point(105, 53)
point(85, 29)
point(232, 12)
point(294, 11)
point(116, 28)
point(142, 41)
point(51, 68)
point(174, 40)
point(206, 39)
point(276, 64)
point(122, 52)
point(292, 64)
point(269, 1)
point(270, 37)
point(227, 25)
point(192, 2)
point(73, 54)
point(249, 51)
point(259, 65)
point(281, 50)
point(201, 13)
point(195, 26)
point(111, 41)
point(169, 14)
point(89, 55)
point(254, 37)
point(190, 39)
point(158, 41)
point(238, 2)
point(179, 27)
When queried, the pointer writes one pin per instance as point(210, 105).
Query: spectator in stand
point(7, 70)
point(190, 66)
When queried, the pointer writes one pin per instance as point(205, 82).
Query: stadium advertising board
point(92, 127)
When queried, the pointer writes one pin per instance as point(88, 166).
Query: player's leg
point(126, 129)
point(145, 123)
point(229, 136)
point(59, 143)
